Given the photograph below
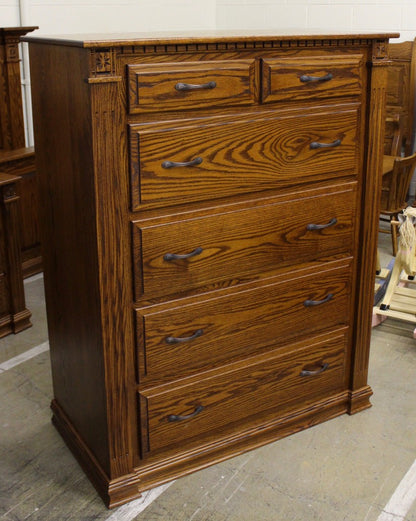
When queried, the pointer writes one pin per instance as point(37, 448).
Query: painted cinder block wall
point(69, 16)
point(356, 15)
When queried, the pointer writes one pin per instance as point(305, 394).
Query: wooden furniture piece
point(210, 216)
point(21, 162)
point(397, 174)
point(393, 136)
point(401, 91)
point(15, 158)
point(14, 316)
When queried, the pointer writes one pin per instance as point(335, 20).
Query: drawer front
point(174, 257)
point(267, 385)
point(180, 341)
point(301, 78)
point(217, 157)
point(191, 85)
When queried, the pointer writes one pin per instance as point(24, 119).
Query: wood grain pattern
point(401, 84)
point(241, 155)
point(152, 87)
point(111, 212)
point(286, 39)
point(12, 134)
point(282, 77)
point(15, 158)
point(241, 324)
point(271, 383)
point(14, 316)
point(113, 249)
point(242, 242)
point(66, 182)
point(371, 188)
point(21, 162)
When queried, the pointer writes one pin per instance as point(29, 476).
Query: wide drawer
point(191, 85)
point(301, 78)
point(231, 244)
point(180, 341)
point(260, 386)
point(173, 163)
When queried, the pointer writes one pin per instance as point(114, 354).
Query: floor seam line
point(24, 357)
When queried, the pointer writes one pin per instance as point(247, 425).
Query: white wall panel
point(9, 13)
point(64, 16)
point(354, 15)
point(278, 15)
point(339, 15)
point(380, 18)
point(244, 16)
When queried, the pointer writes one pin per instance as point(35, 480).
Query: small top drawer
point(191, 85)
point(300, 78)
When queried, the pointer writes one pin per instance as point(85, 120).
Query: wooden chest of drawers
point(210, 215)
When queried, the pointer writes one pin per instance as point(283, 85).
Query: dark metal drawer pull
point(305, 78)
point(177, 340)
point(175, 256)
point(323, 368)
point(190, 86)
point(332, 222)
point(315, 144)
point(174, 418)
point(310, 303)
point(172, 164)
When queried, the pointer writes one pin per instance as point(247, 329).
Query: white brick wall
point(77, 16)
point(68, 16)
point(356, 15)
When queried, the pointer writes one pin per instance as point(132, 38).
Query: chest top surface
point(207, 36)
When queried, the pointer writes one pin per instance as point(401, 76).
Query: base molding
point(15, 323)
point(149, 474)
point(83, 455)
point(32, 265)
point(359, 399)
point(21, 320)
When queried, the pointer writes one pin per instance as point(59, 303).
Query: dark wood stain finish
point(197, 311)
point(14, 316)
point(15, 158)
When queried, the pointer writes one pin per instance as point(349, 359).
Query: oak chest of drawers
point(210, 211)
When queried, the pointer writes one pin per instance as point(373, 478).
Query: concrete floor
point(352, 468)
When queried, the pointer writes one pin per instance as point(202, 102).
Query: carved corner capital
point(12, 52)
point(9, 193)
point(104, 62)
point(380, 51)
point(103, 66)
